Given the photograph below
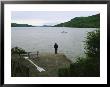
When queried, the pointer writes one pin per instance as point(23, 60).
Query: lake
point(42, 39)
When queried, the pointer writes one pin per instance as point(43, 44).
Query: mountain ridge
point(82, 22)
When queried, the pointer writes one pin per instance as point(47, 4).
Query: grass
point(84, 67)
point(21, 67)
point(50, 62)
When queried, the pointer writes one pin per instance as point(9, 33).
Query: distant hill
point(20, 25)
point(82, 22)
point(46, 26)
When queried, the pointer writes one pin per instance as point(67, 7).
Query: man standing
point(56, 48)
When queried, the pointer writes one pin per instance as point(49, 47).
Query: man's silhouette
point(56, 48)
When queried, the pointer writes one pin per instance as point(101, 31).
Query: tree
point(89, 66)
point(92, 44)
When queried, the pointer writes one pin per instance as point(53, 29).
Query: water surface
point(42, 39)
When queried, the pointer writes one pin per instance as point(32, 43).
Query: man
point(56, 47)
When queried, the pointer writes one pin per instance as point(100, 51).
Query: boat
point(63, 32)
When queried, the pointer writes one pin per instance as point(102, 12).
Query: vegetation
point(19, 66)
point(84, 67)
point(17, 50)
point(20, 25)
point(92, 44)
point(82, 22)
point(89, 66)
point(18, 69)
point(50, 62)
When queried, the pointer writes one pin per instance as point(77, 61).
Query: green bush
point(92, 44)
point(17, 50)
point(89, 66)
point(64, 72)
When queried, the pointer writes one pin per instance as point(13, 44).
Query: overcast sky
point(39, 18)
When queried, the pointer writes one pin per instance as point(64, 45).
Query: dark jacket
point(55, 46)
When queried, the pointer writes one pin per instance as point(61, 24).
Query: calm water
point(42, 39)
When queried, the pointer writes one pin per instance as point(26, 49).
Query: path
point(40, 69)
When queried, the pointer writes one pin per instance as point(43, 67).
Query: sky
point(39, 18)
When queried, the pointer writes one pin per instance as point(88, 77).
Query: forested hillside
point(20, 25)
point(82, 22)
